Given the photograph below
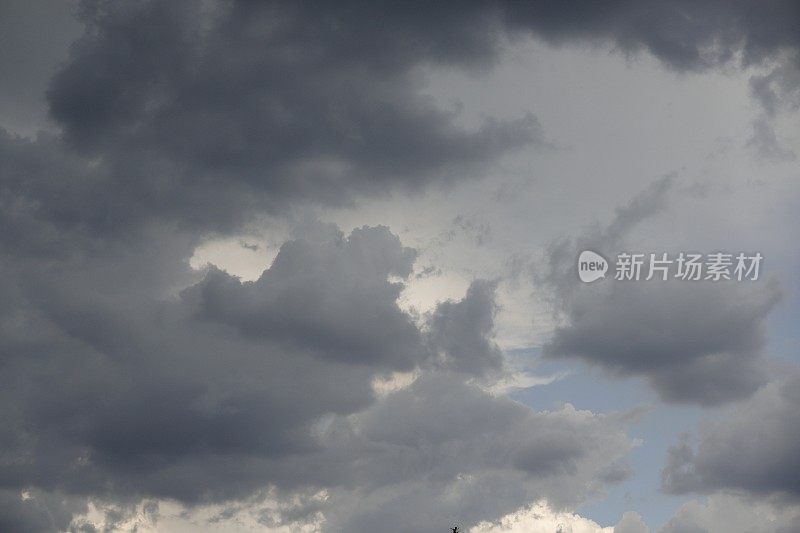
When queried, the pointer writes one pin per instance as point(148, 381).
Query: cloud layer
point(125, 376)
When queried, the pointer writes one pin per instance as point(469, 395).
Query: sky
point(314, 267)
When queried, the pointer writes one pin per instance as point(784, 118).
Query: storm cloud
point(205, 113)
point(232, 388)
point(126, 376)
point(208, 111)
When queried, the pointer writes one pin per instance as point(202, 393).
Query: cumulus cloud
point(631, 523)
point(231, 388)
point(540, 518)
point(446, 452)
point(332, 295)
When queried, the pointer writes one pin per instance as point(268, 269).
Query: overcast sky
point(294, 266)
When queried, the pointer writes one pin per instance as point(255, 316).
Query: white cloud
point(540, 518)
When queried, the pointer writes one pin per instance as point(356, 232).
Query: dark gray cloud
point(34, 40)
point(206, 111)
point(694, 342)
point(333, 296)
point(182, 118)
point(231, 388)
point(445, 451)
point(48, 205)
point(462, 331)
point(683, 34)
point(165, 395)
point(754, 450)
point(36, 511)
point(203, 113)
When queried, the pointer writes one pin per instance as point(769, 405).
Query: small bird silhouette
point(454, 529)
